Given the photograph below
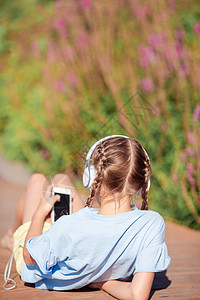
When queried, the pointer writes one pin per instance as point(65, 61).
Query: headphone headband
point(89, 154)
point(90, 172)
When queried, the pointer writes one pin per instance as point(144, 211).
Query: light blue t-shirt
point(85, 247)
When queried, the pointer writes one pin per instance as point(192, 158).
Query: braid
point(145, 186)
point(101, 159)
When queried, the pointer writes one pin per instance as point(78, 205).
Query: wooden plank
point(179, 293)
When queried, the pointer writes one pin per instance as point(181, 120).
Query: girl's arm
point(138, 289)
point(44, 207)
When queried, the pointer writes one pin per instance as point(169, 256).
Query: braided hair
point(122, 167)
point(145, 186)
point(100, 158)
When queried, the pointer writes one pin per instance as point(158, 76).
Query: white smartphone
point(64, 206)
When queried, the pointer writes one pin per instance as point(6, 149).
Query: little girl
point(117, 248)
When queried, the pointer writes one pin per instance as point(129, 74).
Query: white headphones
point(90, 171)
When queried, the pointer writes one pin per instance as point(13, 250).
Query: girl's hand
point(47, 201)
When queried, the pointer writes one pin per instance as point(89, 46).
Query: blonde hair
point(122, 166)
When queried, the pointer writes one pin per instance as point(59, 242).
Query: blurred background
point(72, 72)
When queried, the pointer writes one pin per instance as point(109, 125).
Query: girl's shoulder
point(152, 218)
point(152, 214)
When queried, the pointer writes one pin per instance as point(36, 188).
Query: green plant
point(84, 69)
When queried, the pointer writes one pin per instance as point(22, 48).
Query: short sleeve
point(39, 249)
point(47, 250)
point(30, 274)
point(153, 257)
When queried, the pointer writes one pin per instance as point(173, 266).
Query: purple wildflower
point(85, 3)
point(190, 168)
point(179, 49)
point(196, 28)
point(147, 84)
point(163, 127)
point(73, 80)
point(174, 177)
point(58, 23)
point(141, 12)
point(60, 86)
point(184, 70)
point(45, 154)
point(189, 151)
point(191, 180)
point(196, 114)
point(51, 53)
point(82, 40)
point(172, 5)
point(146, 55)
point(183, 157)
point(179, 34)
point(156, 40)
point(191, 138)
point(35, 47)
point(69, 53)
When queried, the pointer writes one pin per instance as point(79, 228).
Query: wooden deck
point(181, 281)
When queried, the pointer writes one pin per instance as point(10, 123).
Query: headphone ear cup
point(88, 176)
point(93, 173)
point(149, 184)
point(148, 188)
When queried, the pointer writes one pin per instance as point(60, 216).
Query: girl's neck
point(114, 206)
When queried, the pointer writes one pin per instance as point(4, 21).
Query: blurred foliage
point(75, 71)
